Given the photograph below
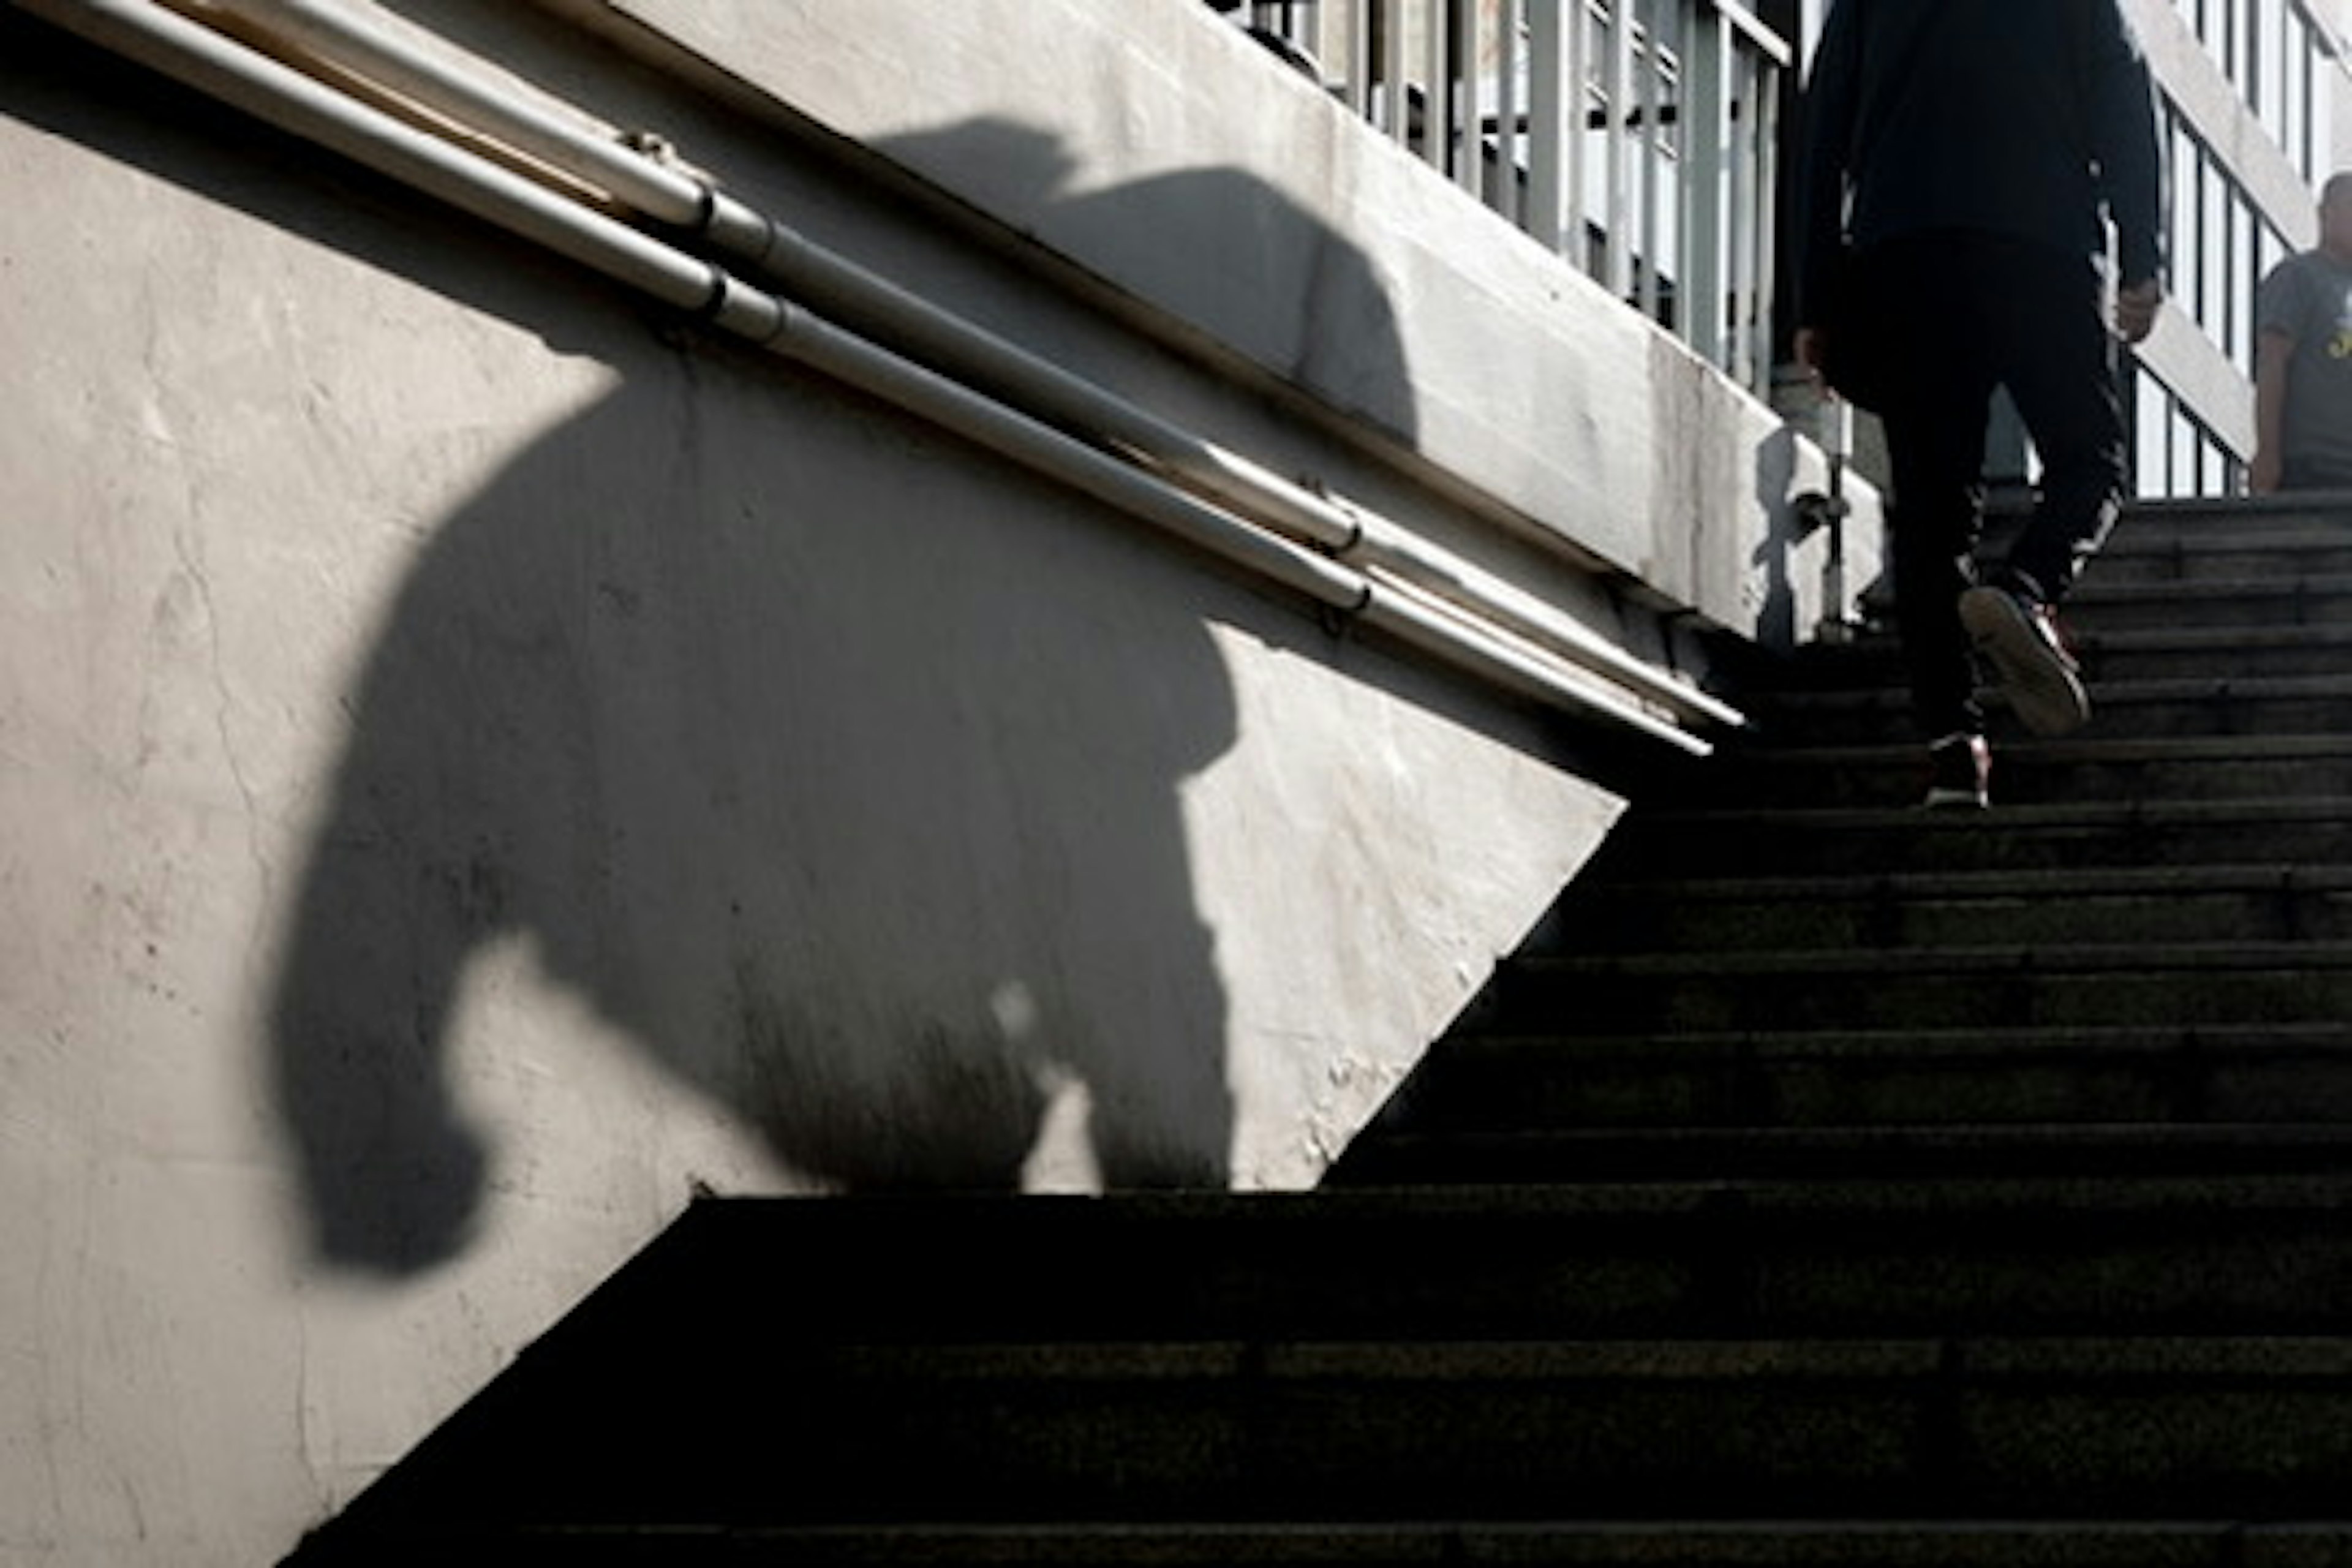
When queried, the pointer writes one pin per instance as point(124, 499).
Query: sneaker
point(2019, 638)
point(1960, 773)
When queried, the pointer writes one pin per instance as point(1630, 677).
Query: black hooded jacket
point(2030, 118)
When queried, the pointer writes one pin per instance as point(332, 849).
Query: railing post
point(1760, 254)
point(1707, 201)
point(1555, 122)
point(1617, 248)
point(1438, 100)
point(1675, 168)
point(1355, 54)
point(1503, 187)
point(1390, 13)
point(1470, 145)
point(1650, 109)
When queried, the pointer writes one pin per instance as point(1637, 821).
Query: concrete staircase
point(1829, 1182)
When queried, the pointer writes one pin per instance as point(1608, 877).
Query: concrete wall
point(478, 760)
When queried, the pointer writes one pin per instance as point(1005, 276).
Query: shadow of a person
point(1218, 248)
point(857, 814)
point(834, 764)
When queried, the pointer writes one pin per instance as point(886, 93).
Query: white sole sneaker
point(2034, 672)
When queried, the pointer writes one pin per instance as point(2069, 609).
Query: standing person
point(1966, 159)
point(2302, 359)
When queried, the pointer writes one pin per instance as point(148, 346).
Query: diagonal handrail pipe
point(685, 201)
point(224, 68)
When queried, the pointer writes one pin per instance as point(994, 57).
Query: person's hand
point(1810, 344)
point(2136, 308)
point(2264, 473)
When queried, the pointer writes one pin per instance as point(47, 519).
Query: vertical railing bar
point(1356, 60)
point(1749, 192)
point(1707, 199)
point(1470, 172)
point(1553, 94)
point(1764, 113)
point(1618, 222)
point(1439, 102)
point(1503, 192)
point(1576, 109)
point(1651, 144)
point(1399, 90)
point(1707, 62)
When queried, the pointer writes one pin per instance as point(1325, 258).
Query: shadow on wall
point(849, 797)
point(1776, 481)
point(1216, 246)
point(836, 766)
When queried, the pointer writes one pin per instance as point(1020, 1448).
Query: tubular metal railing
point(1637, 138)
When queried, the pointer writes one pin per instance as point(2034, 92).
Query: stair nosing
point(2007, 958)
point(2101, 814)
point(2034, 1040)
point(2092, 882)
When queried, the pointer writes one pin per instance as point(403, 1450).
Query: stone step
point(2110, 655)
point(2212, 705)
point(1492, 1156)
point(1530, 1354)
point(1883, 910)
point(2004, 985)
point(1912, 1077)
point(2190, 551)
point(2085, 767)
point(2246, 652)
point(1616, 1543)
point(1380, 1430)
point(2099, 604)
point(2199, 519)
point(2315, 830)
point(1451, 1261)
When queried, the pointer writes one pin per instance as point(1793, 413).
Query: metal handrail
point(1636, 138)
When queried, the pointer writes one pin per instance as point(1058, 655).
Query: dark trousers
point(1966, 312)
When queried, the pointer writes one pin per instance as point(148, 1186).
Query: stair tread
point(1541, 1201)
point(2317, 744)
point(2022, 818)
point(2188, 1542)
point(2045, 958)
point(2086, 882)
point(1991, 1136)
point(2220, 638)
point(2069, 1359)
point(2107, 693)
point(2095, 590)
point(2054, 1543)
point(2032, 1042)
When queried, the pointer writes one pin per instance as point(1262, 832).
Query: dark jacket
point(2030, 118)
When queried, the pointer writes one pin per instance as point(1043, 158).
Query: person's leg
point(2050, 340)
point(2045, 331)
point(1935, 426)
point(1937, 513)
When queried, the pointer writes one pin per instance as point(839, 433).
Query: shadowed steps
point(1826, 1183)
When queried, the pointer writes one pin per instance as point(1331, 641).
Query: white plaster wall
point(474, 766)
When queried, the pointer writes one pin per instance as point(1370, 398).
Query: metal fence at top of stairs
point(1634, 137)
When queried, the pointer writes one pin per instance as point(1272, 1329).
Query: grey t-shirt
point(2309, 298)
